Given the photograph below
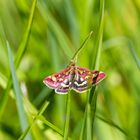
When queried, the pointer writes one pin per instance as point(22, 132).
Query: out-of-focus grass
point(18, 94)
point(58, 29)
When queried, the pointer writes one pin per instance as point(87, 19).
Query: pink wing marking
point(58, 81)
point(100, 76)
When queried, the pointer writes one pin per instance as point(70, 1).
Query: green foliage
point(44, 36)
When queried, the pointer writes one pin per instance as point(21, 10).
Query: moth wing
point(85, 78)
point(59, 81)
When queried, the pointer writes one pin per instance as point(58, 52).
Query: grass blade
point(95, 64)
point(66, 128)
point(118, 41)
point(18, 93)
point(53, 25)
point(23, 45)
point(111, 123)
point(37, 115)
point(81, 47)
point(20, 53)
point(83, 126)
point(98, 39)
point(89, 130)
point(53, 127)
point(34, 120)
point(98, 45)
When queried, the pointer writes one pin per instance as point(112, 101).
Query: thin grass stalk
point(83, 125)
point(20, 53)
point(67, 121)
point(40, 117)
point(98, 45)
point(95, 64)
point(49, 124)
point(43, 108)
point(88, 119)
point(74, 58)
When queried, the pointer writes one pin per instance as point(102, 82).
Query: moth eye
point(54, 78)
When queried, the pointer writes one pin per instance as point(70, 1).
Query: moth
point(74, 77)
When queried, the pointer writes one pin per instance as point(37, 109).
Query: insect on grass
point(74, 77)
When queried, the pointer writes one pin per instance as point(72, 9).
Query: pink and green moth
point(73, 77)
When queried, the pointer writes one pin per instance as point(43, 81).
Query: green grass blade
point(95, 64)
point(23, 45)
point(118, 41)
point(20, 53)
point(53, 25)
point(98, 39)
point(53, 127)
point(34, 120)
point(18, 93)
point(89, 130)
point(66, 127)
point(98, 45)
point(111, 123)
point(133, 53)
point(83, 126)
point(81, 47)
point(37, 115)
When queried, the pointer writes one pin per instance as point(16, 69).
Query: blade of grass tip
point(81, 47)
point(20, 53)
point(66, 127)
point(111, 123)
point(43, 108)
point(18, 93)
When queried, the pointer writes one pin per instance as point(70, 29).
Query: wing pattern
point(74, 77)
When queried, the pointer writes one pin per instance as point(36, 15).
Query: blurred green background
point(59, 27)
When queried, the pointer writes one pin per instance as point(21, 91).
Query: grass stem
point(67, 121)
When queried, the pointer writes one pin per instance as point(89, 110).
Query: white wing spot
point(54, 78)
point(63, 85)
point(81, 79)
point(65, 81)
